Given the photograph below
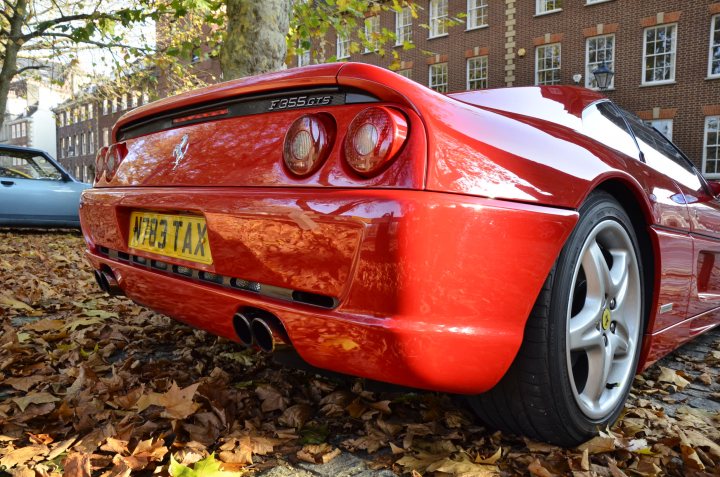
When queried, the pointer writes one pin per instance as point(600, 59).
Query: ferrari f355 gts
point(532, 248)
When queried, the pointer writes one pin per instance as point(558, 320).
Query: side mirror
point(714, 187)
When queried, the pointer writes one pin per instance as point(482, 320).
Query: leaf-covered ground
point(93, 385)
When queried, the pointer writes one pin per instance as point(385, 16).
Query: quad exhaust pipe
point(259, 328)
point(108, 283)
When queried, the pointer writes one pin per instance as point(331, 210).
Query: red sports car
point(530, 247)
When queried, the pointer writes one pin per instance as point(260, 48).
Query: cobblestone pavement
point(688, 359)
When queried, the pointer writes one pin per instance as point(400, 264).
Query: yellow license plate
point(179, 236)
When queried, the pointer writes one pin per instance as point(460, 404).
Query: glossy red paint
point(403, 313)
point(437, 259)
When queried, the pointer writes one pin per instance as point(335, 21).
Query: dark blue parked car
point(36, 191)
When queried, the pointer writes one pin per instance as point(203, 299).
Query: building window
point(714, 61)
point(547, 64)
point(477, 14)
point(91, 142)
point(124, 102)
point(665, 126)
point(403, 26)
point(659, 54)
point(599, 50)
point(439, 77)
point(106, 136)
point(61, 119)
point(105, 107)
point(23, 130)
point(477, 72)
point(83, 143)
point(547, 6)
point(711, 151)
point(90, 112)
point(114, 105)
point(438, 18)
point(134, 98)
point(343, 46)
point(405, 73)
point(145, 97)
point(372, 30)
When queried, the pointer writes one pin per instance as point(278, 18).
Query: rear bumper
point(431, 290)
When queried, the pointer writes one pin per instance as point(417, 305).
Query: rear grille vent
point(296, 296)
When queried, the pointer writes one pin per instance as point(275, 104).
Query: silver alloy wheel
point(604, 319)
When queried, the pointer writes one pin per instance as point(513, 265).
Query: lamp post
point(603, 76)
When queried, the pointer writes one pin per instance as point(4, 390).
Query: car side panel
point(29, 201)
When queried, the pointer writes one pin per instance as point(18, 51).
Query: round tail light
point(115, 154)
point(308, 143)
point(100, 163)
point(374, 138)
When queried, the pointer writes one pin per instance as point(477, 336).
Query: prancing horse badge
point(180, 150)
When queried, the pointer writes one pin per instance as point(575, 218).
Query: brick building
point(84, 124)
point(665, 55)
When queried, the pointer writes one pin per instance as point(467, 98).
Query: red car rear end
point(267, 210)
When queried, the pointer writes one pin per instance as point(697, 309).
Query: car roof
point(10, 147)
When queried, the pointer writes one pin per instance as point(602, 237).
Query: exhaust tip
point(241, 324)
point(110, 284)
point(100, 280)
point(263, 334)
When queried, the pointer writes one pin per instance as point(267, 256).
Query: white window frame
point(706, 145)
point(403, 21)
point(90, 111)
point(672, 53)
point(438, 17)
point(91, 142)
point(589, 77)
point(105, 107)
point(483, 68)
point(714, 27)
point(342, 47)
point(372, 26)
point(538, 70)
point(23, 129)
point(440, 87)
point(477, 14)
point(106, 137)
point(541, 6)
point(661, 124)
point(304, 58)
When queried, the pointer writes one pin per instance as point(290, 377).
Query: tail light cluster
point(108, 159)
point(374, 138)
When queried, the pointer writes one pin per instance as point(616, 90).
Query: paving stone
point(344, 465)
point(285, 471)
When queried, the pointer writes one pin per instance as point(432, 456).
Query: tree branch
point(93, 42)
point(26, 68)
point(45, 25)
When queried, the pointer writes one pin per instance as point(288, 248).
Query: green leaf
point(207, 467)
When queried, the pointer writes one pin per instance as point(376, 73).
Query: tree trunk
point(12, 46)
point(255, 41)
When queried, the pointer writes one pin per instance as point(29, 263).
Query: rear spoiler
point(327, 84)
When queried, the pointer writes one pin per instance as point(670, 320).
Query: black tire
point(542, 394)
